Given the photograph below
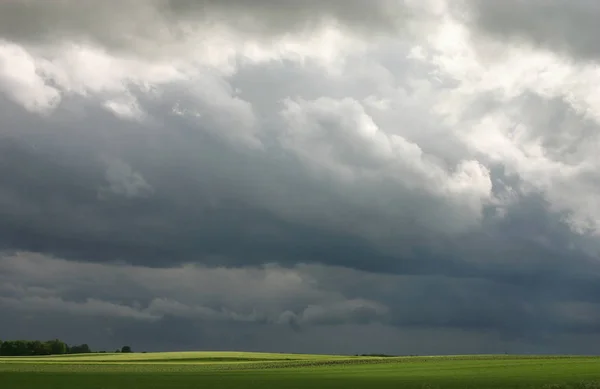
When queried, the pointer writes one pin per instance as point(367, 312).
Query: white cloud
point(371, 166)
point(20, 79)
point(493, 97)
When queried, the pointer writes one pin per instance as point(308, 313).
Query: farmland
point(261, 370)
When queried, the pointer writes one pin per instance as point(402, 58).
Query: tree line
point(14, 348)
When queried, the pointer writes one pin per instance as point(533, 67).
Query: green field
point(258, 370)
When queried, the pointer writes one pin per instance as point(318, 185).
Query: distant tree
point(80, 349)
point(35, 347)
point(56, 347)
point(126, 349)
point(8, 348)
point(22, 347)
point(38, 348)
point(117, 350)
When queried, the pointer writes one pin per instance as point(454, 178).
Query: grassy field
point(258, 370)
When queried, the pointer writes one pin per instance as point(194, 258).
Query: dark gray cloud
point(161, 27)
point(198, 195)
point(61, 204)
point(229, 308)
point(315, 191)
point(568, 27)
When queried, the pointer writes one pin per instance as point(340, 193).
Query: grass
point(258, 370)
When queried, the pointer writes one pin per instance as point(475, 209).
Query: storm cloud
point(407, 177)
point(557, 25)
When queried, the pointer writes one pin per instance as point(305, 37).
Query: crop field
point(258, 370)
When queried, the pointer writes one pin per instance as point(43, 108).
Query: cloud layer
point(317, 171)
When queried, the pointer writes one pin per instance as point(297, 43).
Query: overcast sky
point(339, 176)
